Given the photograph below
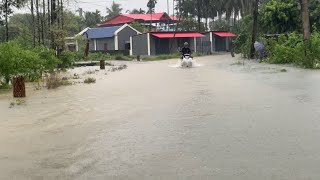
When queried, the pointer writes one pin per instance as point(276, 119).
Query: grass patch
point(122, 58)
point(54, 81)
point(5, 87)
point(18, 102)
point(283, 70)
point(90, 80)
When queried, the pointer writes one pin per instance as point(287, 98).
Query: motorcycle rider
point(185, 50)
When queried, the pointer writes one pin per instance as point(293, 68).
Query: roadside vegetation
point(283, 31)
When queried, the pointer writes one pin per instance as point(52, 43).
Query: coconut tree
point(114, 10)
point(151, 5)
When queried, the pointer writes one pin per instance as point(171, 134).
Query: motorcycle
point(187, 61)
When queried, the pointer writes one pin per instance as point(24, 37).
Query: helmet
point(186, 44)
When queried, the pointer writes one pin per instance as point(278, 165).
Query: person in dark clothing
point(185, 50)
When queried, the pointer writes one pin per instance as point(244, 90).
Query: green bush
point(16, 61)
point(243, 40)
point(98, 56)
point(89, 80)
point(292, 49)
point(123, 58)
point(67, 59)
point(48, 58)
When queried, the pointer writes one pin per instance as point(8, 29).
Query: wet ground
point(223, 120)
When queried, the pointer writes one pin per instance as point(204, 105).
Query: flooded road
point(222, 120)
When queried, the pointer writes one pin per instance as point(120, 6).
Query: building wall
point(124, 37)
point(140, 44)
point(220, 43)
point(108, 41)
point(153, 45)
point(173, 46)
point(91, 45)
point(204, 44)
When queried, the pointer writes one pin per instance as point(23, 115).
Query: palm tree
point(136, 11)
point(151, 5)
point(114, 10)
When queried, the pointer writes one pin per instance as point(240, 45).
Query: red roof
point(177, 34)
point(128, 18)
point(148, 17)
point(224, 34)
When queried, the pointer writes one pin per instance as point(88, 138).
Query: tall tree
point(151, 5)
point(305, 19)
point(114, 10)
point(254, 27)
point(33, 24)
point(6, 10)
point(137, 11)
point(91, 19)
point(38, 22)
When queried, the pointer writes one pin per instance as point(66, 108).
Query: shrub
point(48, 58)
point(292, 49)
point(99, 56)
point(16, 61)
point(123, 58)
point(54, 81)
point(67, 59)
point(90, 80)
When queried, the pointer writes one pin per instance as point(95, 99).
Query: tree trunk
point(38, 22)
point(102, 64)
point(254, 27)
point(33, 25)
point(199, 15)
point(43, 20)
point(58, 13)
point(6, 19)
point(305, 19)
point(53, 23)
point(19, 89)
point(62, 16)
point(306, 31)
point(49, 21)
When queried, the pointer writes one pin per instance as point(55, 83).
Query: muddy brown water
point(218, 121)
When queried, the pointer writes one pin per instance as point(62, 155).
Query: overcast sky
point(92, 5)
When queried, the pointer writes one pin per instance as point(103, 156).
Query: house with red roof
point(157, 20)
point(157, 43)
point(219, 41)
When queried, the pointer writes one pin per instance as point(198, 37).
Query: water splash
point(179, 64)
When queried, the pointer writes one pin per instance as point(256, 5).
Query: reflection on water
point(150, 120)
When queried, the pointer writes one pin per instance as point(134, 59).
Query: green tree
point(137, 26)
point(151, 5)
point(114, 10)
point(91, 19)
point(279, 16)
point(6, 9)
point(137, 11)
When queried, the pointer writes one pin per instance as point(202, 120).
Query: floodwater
point(223, 120)
point(179, 64)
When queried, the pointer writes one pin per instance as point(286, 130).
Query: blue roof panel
point(102, 32)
